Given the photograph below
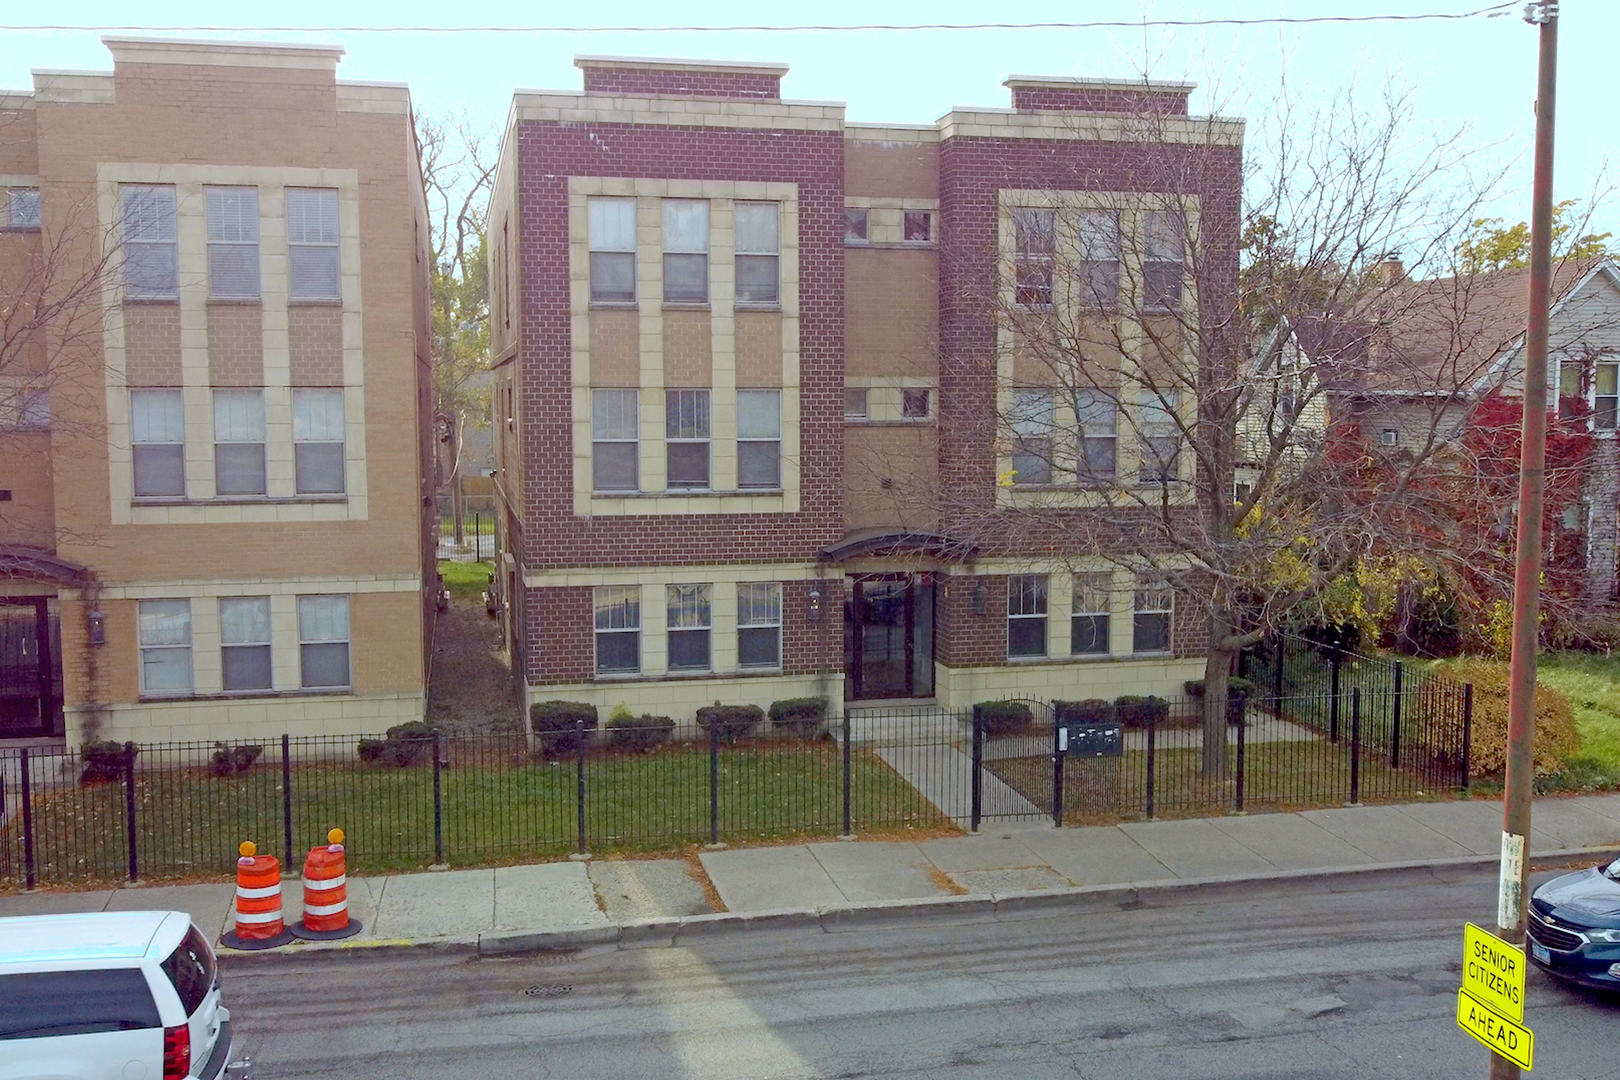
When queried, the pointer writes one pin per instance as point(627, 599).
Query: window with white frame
point(244, 642)
point(165, 644)
point(239, 442)
point(233, 242)
point(686, 438)
point(855, 225)
point(917, 226)
point(1026, 615)
point(615, 435)
point(22, 208)
point(686, 251)
point(759, 624)
point(856, 403)
point(1152, 611)
point(318, 437)
point(612, 241)
point(1035, 247)
point(1160, 436)
point(759, 252)
point(1097, 268)
point(1096, 413)
point(1088, 631)
point(759, 438)
point(314, 265)
point(157, 437)
point(1031, 420)
point(689, 627)
point(1162, 254)
point(147, 229)
point(1606, 394)
point(323, 642)
point(618, 629)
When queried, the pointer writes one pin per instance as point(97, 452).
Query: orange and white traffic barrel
point(326, 893)
point(259, 924)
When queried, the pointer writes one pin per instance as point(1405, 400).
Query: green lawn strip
point(1592, 684)
point(465, 580)
point(493, 810)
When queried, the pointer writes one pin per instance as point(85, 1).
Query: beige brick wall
point(759, 348)
point(615, 348)
point(891, 302)
point(879, 169)
point(19, 151)
point(688, 349)
point(152, 344)
point(25, 471)
point(891, 476)
point(315, 344)
point(236, 344)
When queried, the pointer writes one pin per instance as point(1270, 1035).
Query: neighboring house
point(221, 495)
point(739, 351)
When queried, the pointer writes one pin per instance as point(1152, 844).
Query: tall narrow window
point(759, 624)
point(323, 641)
point(233, 242)
point(759, 251)
point(612, 224)
point(1097, 414)
point(686, 435)
point(157, 435)
point(1089, 623)
point(759, 438)
point(1162, 256)
point(244, 638)
point(686, 251)
point(1031, 423)
point(22, 208)
point(1160, 436)
point(506, 273)
point(855, 225)
point(1151, 613)
point(1097, 270)
point(1606, 399)
point(165, 643)
point(1035, 243)
point(239, 442)
point(147, 228)
point(313, 262)
point(318, 435)
point(1026, 615)
point(615, 434)
point(688, 628)
point(618, 629)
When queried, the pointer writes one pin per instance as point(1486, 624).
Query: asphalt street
point(1344, 978)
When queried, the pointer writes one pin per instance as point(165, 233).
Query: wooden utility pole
point(1520, 779)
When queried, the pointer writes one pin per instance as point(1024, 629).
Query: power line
point(1490, 12)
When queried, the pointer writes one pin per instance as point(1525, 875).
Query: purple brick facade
point(642, 82)
point(1099, 100)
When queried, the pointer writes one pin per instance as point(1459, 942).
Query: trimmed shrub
point(103, 761)
point(638, 734)
point(1138, 712)
point(805, 717)
point(1194, 688)
point(402, 744)
point(730, 722)
point(1004, 717)
point(1556, 738)
point(558, 725)
point(1089, 711)
point(233, 760)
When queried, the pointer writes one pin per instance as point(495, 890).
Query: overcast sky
point(1479, 71)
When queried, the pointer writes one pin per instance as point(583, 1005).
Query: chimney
point(1390, 270)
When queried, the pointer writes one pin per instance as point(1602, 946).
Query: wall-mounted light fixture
point(814, 614)
point(981, 597)
point(98, 627)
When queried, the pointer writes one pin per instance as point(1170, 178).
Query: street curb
point(1009, 906)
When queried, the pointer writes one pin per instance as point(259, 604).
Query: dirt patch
point(472, 689)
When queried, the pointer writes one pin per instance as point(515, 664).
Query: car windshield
point(191, 969)
point(1613, 870)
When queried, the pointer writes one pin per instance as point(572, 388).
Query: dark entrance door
point(30, 667)
point(888, 634)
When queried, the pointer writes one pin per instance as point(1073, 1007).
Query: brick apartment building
point(215, 457)
point(743, 377)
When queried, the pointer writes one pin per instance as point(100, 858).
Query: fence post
point(286, 802)
point(1333, 700)
point(28, 819)
point(1058, 749)
point(714, 783)
point(1355, 745)
point(1468, 730)
point(1147, 811)
point(1241, 742)
point(848, 827)
point(976, 813)
point(129, 810)
point(438, 804)
point(1395, 708)
point(580, 738)
point(1279, 655)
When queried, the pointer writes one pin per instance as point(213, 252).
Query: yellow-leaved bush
point(1556, 738)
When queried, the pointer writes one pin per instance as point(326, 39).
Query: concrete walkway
point(1000, 863)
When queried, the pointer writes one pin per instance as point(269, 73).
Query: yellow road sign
point(1493, 971)
point(1496, 1031)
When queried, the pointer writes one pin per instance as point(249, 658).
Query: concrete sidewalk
point(597, 898)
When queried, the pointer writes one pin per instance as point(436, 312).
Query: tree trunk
point(1217, 664)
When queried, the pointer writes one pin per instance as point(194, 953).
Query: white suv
point(109, 996)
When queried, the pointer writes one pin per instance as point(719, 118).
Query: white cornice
point(272, 54)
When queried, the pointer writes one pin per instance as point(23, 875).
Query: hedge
point(638, 734)
point(557, 724)
point(1089, 711)
point(400, 746)
point(1556, 738)
point(1137, 712)
point(805, 717)
point(730, 722)
point(1004, 717)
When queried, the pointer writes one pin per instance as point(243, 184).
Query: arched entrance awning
point(19, 562)
point(880, 543)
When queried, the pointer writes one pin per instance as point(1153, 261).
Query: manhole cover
point(549, 990)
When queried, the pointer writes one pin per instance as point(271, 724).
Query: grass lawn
point(466, 580)
point(499, 805)
point(1592, 684)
